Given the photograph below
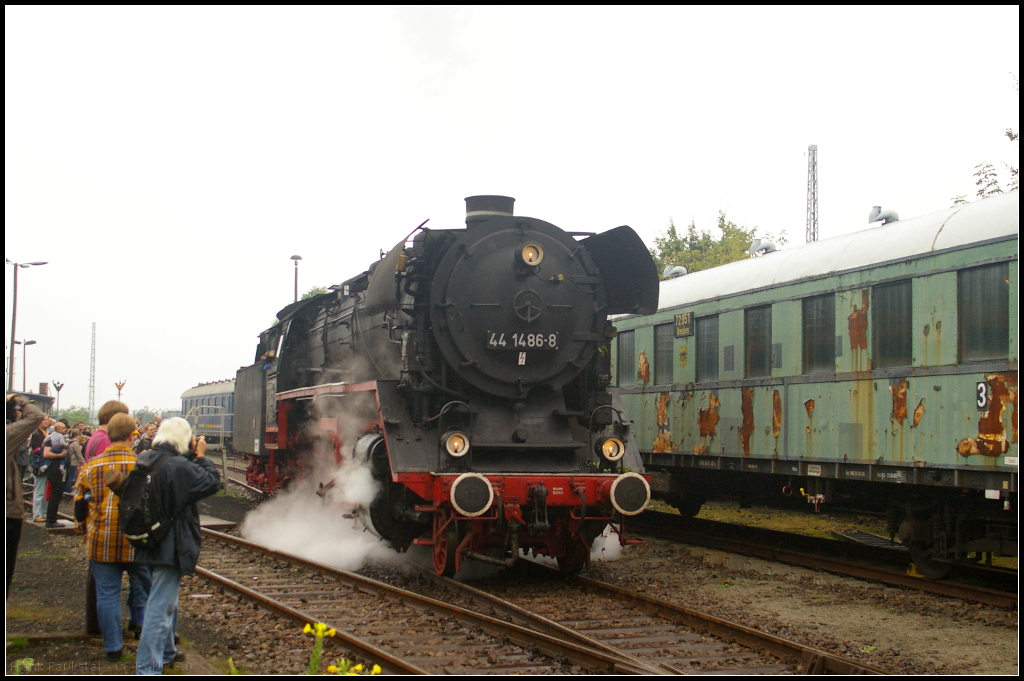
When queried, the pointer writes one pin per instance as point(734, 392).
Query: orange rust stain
point(809, 406)
point(899, 401)
point(663, 442)
point(644, 368)
point(700, 448)
point(918, 414)
point(747, 428)
point(662, 418)
point(967, 447)
point(776, 414)
point(992, 440)
point(707, 419)
point(858, 324)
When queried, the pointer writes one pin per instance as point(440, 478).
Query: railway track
point(401, 631)
point(673, 638)
point(598, 627)
point(886, 565)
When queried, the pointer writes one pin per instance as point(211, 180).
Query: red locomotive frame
point(574, 499)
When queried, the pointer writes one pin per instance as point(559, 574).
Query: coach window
point(627, 359)
point(707, 349)
point(891, 322)
point(983, 302)
point(664, 339)
point(757, 341)
point(819, 334)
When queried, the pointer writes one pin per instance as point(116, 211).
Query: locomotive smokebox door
point(516, 303)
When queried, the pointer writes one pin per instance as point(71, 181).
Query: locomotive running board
point(326, 389)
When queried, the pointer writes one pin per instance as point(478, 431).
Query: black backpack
point(141, 509)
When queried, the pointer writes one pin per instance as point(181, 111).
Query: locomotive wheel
point(577, 554)
point(446, 542)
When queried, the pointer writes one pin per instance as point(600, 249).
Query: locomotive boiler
point(470, 369)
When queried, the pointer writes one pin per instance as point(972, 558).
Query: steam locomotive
point(469, 369)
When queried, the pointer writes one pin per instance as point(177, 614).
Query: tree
point(74, 414)
point(699, 250)
point(986, 180)
point(315, 291)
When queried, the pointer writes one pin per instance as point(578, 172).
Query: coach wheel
point(928, 566)
point(577, 553)
point(688, 505)
point(446, 542)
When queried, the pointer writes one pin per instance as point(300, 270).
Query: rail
point(376, 619)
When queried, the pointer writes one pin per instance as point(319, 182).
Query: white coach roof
point(970, 223)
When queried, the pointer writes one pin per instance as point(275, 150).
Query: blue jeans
point(69, 484)
point(108, 598)
point(39, 497)
point(156, 647)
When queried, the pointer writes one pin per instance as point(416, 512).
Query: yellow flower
point(376, 669)
point(307, 629)
point(357, 668)
point(331, 669)
point(332, 632)
point(320, 629)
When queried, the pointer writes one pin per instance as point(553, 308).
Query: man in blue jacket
point(185, 477)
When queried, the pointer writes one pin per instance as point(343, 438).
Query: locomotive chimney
point(479, 208)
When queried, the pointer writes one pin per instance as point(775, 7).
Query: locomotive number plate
point(501, 340)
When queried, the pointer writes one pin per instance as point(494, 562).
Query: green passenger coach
point(879, 365)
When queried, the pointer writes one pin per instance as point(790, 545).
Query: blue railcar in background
point(209, 408)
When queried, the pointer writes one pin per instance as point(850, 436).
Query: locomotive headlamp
point(532, 254)
point(456, 444)
point(611, 448)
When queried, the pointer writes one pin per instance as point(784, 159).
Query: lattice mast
point(812, 193)
point(92, 378)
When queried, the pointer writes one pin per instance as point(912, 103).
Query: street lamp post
point(296, 258)
point(119, 386)
point(24, 360)
point(57, 386)
point(14, 319)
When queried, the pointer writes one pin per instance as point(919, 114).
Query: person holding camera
point(17, 431)
point(185, 477)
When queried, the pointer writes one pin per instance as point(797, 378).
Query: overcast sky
point(167, 162)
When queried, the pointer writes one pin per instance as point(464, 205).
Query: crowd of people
point(93, 465)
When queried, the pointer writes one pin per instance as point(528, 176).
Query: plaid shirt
point(104, 540)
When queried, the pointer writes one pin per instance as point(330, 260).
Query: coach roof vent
point(482, 207)
point(761, 247)
point(886, 216)
point(673, 271)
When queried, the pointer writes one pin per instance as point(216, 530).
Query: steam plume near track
point(299, 521)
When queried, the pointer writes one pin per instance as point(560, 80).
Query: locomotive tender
point(880, 364)
point(470, 368)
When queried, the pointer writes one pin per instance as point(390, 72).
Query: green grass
point(17, 643)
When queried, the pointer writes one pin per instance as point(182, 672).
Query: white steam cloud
point(325, 528)
point(302, 523)
point(606, 547)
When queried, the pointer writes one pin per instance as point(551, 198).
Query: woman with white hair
point(184, 477)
